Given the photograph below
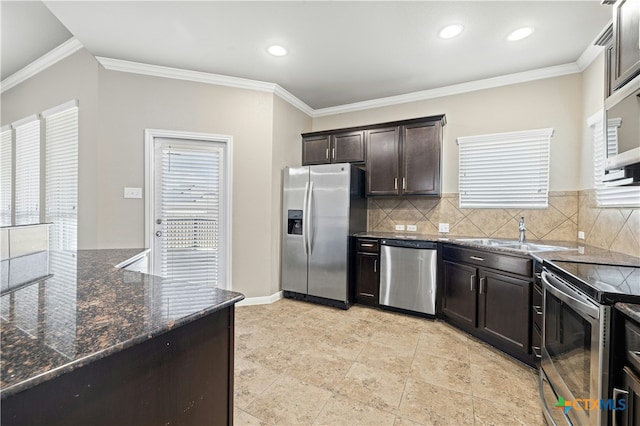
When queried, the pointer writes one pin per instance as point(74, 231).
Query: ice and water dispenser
point(295, 222)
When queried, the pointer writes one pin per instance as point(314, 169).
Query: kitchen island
point(93, 344)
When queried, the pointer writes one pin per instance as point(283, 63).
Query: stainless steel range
point(574, 374)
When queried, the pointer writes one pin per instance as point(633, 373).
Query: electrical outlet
point(581, 235)
point(399, 227)
point(443, 227)
point(412, 228)
point(132, 192)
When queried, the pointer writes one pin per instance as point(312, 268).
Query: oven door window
point(568, 342)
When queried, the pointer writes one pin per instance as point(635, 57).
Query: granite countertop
point(86, 310)
point(629, 309)
point(579, 252)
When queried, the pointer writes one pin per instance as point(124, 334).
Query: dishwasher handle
point(413, 244)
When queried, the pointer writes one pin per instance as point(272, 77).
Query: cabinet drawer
point(367, 245)
point(503, 262)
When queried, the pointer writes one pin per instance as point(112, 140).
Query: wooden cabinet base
point(184, 376)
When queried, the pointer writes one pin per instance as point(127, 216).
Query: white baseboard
point(263, 300)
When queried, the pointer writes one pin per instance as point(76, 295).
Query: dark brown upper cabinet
point(405, 159)
point(345, 147)
point(400, 157)
point(625, 56)
point(316, 150)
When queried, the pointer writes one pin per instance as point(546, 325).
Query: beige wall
point(592, 103)
point(116, 107)
point(554, 102)
point(74, 78)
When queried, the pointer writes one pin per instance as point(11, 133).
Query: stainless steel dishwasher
point(408, 275)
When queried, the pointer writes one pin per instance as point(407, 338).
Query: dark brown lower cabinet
point(367, 281)
point(182, 377)
point(630, 416)
point(459, 296)
point(491, 304)
point(503, 309)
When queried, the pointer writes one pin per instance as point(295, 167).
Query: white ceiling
point(339, 52)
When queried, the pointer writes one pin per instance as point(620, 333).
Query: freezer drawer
point(408, 278)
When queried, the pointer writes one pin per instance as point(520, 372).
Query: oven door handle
point(569, 295)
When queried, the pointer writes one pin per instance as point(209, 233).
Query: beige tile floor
point(303, 364)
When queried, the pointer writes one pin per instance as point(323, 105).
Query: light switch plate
point(443, 227)
point(132, 192)
point(399, 227)
point(412, 228)
point(581, 235)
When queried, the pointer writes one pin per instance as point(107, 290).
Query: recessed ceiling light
point(520, 33)
point(450, 31)
point(276, 50)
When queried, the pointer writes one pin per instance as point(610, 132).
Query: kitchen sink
point(485, 241)
point(513, 245)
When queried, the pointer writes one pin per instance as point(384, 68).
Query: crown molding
point(596, 47)
point(203, 77)
point(455, 89)
point(56, 54)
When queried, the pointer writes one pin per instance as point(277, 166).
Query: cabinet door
point(315, 150)
point(382, 161)
point(459, 293)
point(503, 309)
point(630, 416)
point(421, 159)
point(348, 147)
point(367, 278)
point(626, 33)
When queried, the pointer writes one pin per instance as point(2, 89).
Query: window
point(27, 169)
point(505, 170)
point(21, 185)
point(5, 176)
point(61, 166)
point(608, 196)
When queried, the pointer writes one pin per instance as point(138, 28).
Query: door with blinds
point(189, 211)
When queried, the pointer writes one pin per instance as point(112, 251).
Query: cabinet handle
point(333, 153)
point(482, 281)
point(395, 183)
point(471, 281)
point(476, 258)
point(366, 244)
point(404, 183)
point(375, 265)
point(616, 394)
point(536, 351)
point(327, 153)
point(537, 309)
point(367, 294)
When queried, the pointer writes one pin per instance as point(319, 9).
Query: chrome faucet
point(522, 229)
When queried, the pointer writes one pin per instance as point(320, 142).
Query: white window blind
point(189, 182)
point(5, 177)
point(505, 170)
point(27, 186)
point(61, 171)
point(609, 196)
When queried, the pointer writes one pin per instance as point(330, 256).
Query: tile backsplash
point(568, 212)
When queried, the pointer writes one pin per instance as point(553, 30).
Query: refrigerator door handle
point(309, 210)
point(305, 218)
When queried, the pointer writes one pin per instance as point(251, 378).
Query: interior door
point(187, 244)
point(329, 236)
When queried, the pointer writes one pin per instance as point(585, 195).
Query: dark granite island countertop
point(87, 310)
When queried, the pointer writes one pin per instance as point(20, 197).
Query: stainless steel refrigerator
point(323, 206)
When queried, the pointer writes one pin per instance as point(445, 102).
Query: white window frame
point(483, 170)
point(608, 196)
point(149, 136)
